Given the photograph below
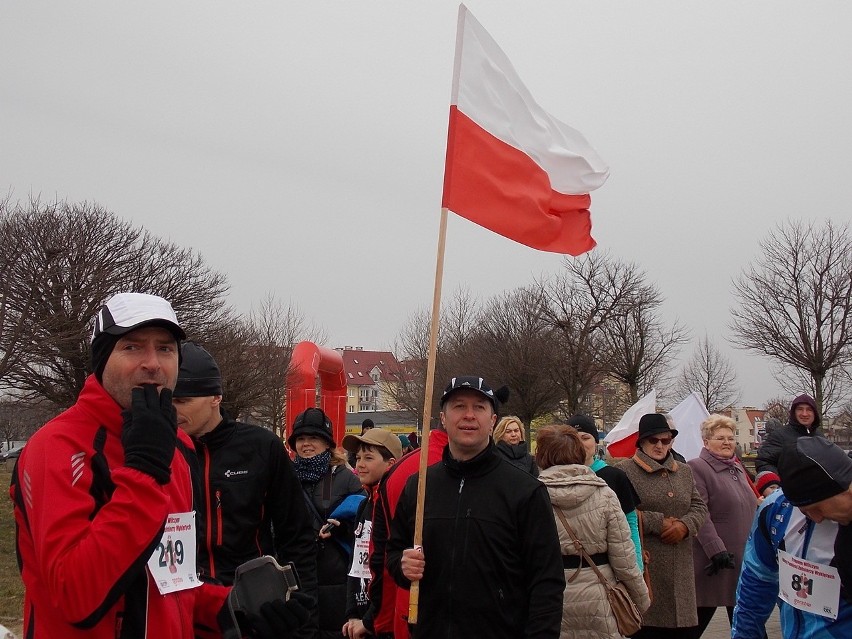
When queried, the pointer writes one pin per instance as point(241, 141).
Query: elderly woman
point(673, 511)
point(731, 501)
point(593, 512)
point(509, 439)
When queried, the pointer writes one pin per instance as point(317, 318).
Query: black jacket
point(770, 448)
point(517, 455)
point(334, 555)
point(250, 504)
point(493, 562)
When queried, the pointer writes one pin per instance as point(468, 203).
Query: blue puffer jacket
point(778, 524)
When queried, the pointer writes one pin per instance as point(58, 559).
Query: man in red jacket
point(104, 502)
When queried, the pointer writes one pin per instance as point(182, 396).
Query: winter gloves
point(720, 561)
point(149, 433)
point(277, 619)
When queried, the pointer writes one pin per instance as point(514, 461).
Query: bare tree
point(835, 385)
point(777, 408)
point(73, 257)
point(16, 299)
point(254, 354)
point(712, 375)
point(638, 346)
point(19, 418)
point(457, 331)
point(583, 300)
point(515, 346)
point(795, 301)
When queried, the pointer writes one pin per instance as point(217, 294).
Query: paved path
point(720, 629)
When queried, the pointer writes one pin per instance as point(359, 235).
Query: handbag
point(628, 619)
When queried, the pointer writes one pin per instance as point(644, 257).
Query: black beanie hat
point(584, 424)
point(315, 422)
point(199, 374)
point(813, 469)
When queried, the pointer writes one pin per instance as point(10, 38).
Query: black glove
point(277, 619)
point(720, 561)
point(149, 433)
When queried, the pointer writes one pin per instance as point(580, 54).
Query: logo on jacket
point(232, 473)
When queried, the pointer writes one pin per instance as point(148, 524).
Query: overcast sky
point(300, 146)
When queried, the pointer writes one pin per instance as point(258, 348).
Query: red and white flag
point(512, 167)
point(621, 440)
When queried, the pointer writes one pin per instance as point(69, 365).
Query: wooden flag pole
point(414, 595)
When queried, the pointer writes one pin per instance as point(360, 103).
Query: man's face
point(468, 418)
point(148, 355)
point(804, 415)
point(837, 508)
point(197, 416)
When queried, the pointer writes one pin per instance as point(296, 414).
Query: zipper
point(208, 533)
point(218, 517)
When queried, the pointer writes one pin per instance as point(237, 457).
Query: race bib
point(808, 586)
point(361, 556)
point(172, 565)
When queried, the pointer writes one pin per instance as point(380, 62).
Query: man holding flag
point(491, 564)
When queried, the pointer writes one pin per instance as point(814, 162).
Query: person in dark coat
point(250, 502)
point(332, 495)
point(673, 511)
point(510, 442)
point(491, 563)
point(717, 551)
point(804, 420)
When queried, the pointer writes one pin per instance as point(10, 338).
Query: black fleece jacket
point(251, 504)
point(493, 561)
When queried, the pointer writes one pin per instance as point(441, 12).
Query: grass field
point(11, 588)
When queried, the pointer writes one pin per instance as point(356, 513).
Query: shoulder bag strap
point(579, 545)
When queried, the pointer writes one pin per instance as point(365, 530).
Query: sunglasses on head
point(665, 441)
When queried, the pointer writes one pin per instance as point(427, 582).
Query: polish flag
point(621, 440)
point(512, 167)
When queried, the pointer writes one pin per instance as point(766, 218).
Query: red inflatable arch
point(308, 362)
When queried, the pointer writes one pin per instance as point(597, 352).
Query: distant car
point(12, 454)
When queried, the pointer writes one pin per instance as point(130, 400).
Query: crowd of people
point(144, 510)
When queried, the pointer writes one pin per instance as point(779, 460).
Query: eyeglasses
point(723, 439)
point(665, 441)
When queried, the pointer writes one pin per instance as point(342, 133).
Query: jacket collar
point(483, 463)
point(99, 405)
point(652, 465)
point(220, 435)
point(717, 464)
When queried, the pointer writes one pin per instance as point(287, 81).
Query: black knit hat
point(813, 469)
point(199, 374)
point(125, 312)
point(584, 424)
point(312, 422)
point(653, 424)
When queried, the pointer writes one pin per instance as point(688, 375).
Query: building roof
point(358, 364)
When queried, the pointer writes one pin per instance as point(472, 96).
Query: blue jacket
point(778, 524)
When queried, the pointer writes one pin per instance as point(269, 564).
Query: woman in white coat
point(595, 515)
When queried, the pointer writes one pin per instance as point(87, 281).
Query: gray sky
point(300, 146)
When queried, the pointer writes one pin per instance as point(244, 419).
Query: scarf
point(310, 470)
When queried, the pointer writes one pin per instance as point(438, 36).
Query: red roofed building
point(367, 375)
